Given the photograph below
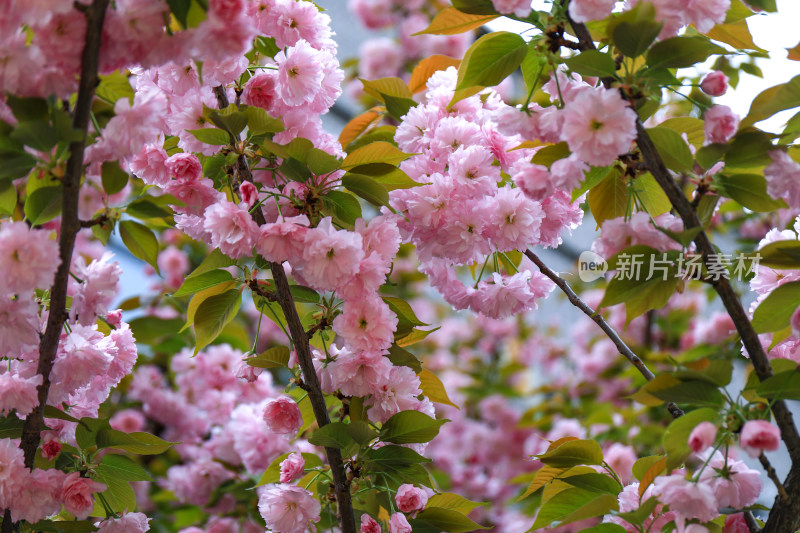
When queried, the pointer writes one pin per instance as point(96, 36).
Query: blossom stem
point(623, 348)
point(773, 476)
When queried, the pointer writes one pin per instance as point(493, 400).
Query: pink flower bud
point(702, 436)
point(51, 449)
point(369, 524)
point(292, 467)
point(114, 318)
point(759, 436)
point(410, 499)
point(249, 194)
point(399, 524)
point(795, 322)
point(283, 416)
point(77, 494)
point(184, 167)
point(715, 83)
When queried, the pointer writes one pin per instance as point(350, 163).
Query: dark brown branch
point(102, 219)
point(70, 225)
point(623, 348)
point(785, 514)
point(299, 338)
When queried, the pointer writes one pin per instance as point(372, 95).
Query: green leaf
point(124, 468)
point(750, 190)
point(27, 109)
point(634, 30)
point(672, 148)
point(87, 430)
point(692, 127)
point(451, 21)
point(213, 314)
point(43, 205)
point(490, 60)
point(213, 136)
point(676, 438)
point(414, 337)
point(403, 311)
point(11, 427)
point(152, 329)
point(403, 464)
point(137, 442)
point(118, 494)
point(8, 198)
point(342, 205)
point(410, 426)
point(393, 92)
point(361, 432)
point(454, 502)
point(550, 154)
point(572, 505)
point(781, 254)
point(231, 119)
point(113, 87)
point(475, 7)
point(259, 121)
point(38, 134)
point(145, 209)
point(113, 177)
point(366, 188)
point(653, 198)
point(783, 385)
point(433, 388)
point(304, 294)
point(16, 165)
point(140, 241)
point(668, 388)
point(213, 260)
point(266, 46)
point(775, 311)
point(594, 483)
point(592, 63)
point(377, 152)
point(52, 412)
point(573, 453)
point(773, 100)
point(333, 435)
point(608, 199)
point(749, 149)
point(273, 358)
point(448, 520)
point(202, 281)
point(387, 175)
point(681, 52)
point(642, 465)
point(400, 357)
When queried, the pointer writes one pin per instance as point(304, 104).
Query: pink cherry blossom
point(18, 393)
point(150, 165)
point(599, 125)
point(520, 8)
point(127, 523)
point(715, 83)
point(705, 14)
point(586, 10)
point(399, 393)
point(369, 524)
point(759, 436)
point(29, 258)
point(356, 374)
point(398, 523)
point(97, 290)
point(688, 498)
point(292, 467)
point(734, 484)
point(76, 494)
point(720, 124)
point(366, 324)
point(231, 228)
point(184, 167)
point(287, 508)
point(410, 499)
point(514, 220)
point(283, 416)
point(330, 257)
point(260, 90)
point(19, 325)
point(248, 193)
point(128, 420)
point(283, 240)
point(783, 177)
point(702, 436)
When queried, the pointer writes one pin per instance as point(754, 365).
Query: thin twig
point(623, 348)
point(773, 476)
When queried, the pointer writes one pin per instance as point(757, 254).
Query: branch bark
point(785, 513)
point(299, 338)
point(70, 226)
point(623, 348)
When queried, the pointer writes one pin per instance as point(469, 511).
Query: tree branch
point(785, 514)
point(623, 348)
point(773, 476)
point(70, 225)
point(299, 338)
